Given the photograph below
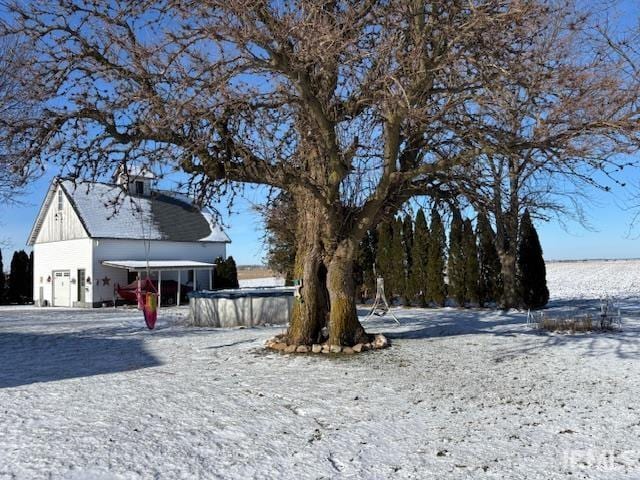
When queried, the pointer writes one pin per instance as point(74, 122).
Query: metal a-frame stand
point(381, 305)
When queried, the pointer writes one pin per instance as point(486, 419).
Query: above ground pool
point(241, 307)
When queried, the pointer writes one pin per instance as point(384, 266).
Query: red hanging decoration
point(147, 295)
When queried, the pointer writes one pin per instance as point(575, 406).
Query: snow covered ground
point(262, 282)
point(594, 279)
point(461, 394)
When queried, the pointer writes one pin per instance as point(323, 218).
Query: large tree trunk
point(310, 311)
point(510, 264)
point(507, 225)
point(344, 326)
point(507, 247)
point(508, 269)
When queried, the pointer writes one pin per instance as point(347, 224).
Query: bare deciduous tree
point(14, 102)
point(351, 107)
point(561, 117)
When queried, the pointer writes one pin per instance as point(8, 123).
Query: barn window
point(60, 200)
point(139, 188)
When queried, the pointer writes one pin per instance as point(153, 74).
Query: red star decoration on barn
point(106, 280)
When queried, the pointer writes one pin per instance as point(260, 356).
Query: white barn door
point(61, 289)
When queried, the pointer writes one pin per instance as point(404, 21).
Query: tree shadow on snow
point(27, 358)
point(232, 344)
point(624, 344)
point(426, 323)
point(417, 324)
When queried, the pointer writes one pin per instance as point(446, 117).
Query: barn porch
point(168, 270)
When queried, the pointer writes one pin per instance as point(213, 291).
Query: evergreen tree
point(420, 258)
point(532, 271)
point(25, 293)
point(390, 255)
point(366, 264)
point(219, 274)
point(30, 290)
point(471, 271)
point(436, 288)
point(490, 283)
point(407, 247)
point(384, 256)
point(396, 262)
point(231, 271)
point(2, 282)
point(19, 278)
point(456, 261)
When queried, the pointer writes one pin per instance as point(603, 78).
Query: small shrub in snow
point(575, 324)
point(578, 324)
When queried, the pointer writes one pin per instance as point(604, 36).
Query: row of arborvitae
point(279, 344)
point(17, 287)
point(420, 268)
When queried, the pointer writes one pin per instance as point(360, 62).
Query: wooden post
point(210, 279)
point(159, 288)
point(195, 272)
point(179, 288)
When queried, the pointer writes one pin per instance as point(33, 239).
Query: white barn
point(90, 237)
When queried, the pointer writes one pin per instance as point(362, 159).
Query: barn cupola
point(135, 180)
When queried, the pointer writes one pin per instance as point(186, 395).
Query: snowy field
point(594, 279)
point(262, 282)
point(461, 394)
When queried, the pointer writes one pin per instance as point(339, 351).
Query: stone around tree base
point(278, 343)
point(380, 341)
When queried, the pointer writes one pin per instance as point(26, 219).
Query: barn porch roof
point(141, 265)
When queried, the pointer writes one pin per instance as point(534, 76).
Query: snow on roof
point(209, 216)
point(108, 211)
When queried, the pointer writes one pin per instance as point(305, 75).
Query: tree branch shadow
point(232, 344)
point(420, 324)
point(28, 358)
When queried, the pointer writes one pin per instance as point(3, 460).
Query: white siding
point(62, 244)
point(60, 224)
point(71, 255)
point(117, 249)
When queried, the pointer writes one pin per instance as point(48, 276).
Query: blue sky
point(611, 233)
point(609, 214)
point(243, 224)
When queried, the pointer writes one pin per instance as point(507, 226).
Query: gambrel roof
point(108, 211)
